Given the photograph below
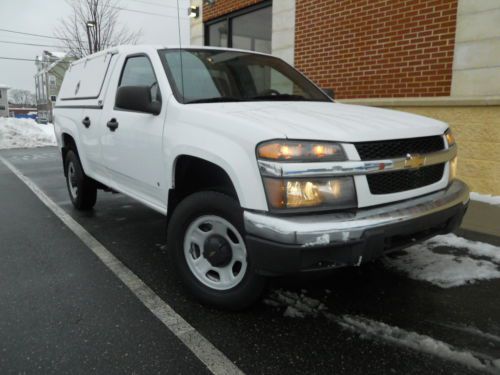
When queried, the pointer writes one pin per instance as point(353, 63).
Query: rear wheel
point(82, 189)
point(206, 244)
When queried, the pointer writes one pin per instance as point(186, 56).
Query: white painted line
point(213, 358)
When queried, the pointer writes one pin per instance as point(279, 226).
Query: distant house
point(51, 67)
point(4, 102)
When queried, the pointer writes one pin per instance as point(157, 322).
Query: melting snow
point(450, 269)
point(298, 305)
point(416, 341)
point(486, 198)
point(25, 133)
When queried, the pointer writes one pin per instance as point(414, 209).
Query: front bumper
point(287, 244)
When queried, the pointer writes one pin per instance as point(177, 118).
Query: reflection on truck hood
point(327, 121)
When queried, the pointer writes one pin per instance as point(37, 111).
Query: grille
point(395, 182)
point(399, 147)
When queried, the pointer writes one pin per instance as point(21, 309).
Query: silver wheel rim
point(219, 278)
point(72, 183)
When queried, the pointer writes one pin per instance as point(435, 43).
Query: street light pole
point(90, 24)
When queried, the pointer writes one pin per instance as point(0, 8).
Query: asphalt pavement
point(62, 310)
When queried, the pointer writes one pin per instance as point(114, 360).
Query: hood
point(326, 121)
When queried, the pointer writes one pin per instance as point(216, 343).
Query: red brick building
point(362, 48)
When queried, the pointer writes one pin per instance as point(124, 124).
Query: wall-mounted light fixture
point(208, 2)
point(193, 11)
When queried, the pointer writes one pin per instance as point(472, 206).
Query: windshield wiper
point(282, 97)
point(216, 99)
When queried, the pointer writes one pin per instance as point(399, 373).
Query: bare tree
point(93, 26)
point(23, 98)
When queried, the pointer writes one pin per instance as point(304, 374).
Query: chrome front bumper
point(344, 227)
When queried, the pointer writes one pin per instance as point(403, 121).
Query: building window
point(250, 29)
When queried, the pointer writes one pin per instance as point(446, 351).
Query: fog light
point(326, 193)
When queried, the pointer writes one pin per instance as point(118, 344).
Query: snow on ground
point(448, 261)
point(25, 133)
point(486, 198)
point(299, 305)
point(413, 340)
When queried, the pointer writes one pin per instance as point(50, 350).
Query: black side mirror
point(329, 92)
point(137, 98)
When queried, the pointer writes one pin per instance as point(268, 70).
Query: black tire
point(251, 286)
point(85, 194)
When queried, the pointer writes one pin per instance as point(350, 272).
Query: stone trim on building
point(476, 66)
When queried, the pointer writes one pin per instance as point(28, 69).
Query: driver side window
point(138, 71)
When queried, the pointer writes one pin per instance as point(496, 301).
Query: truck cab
point(258, 172)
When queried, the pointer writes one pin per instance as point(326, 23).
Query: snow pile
point(436, 262)
point(486, 198)
point(426, 344)
point(25, 133)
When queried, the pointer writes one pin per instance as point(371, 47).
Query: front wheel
point(206, 244)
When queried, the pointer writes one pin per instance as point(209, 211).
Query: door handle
point(86, 122)
point(112, 124)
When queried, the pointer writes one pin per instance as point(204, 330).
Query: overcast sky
point(42, 17)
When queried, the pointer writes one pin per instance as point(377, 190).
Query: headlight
point(449, 138)
point(321, 193)
point(298, 151)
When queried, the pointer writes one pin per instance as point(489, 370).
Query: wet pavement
point(65, 311)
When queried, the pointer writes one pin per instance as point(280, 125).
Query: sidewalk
point(482, 221)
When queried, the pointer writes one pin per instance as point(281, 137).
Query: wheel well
point(68, 143)
point(193, 174)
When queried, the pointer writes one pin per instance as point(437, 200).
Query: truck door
point(132, 141)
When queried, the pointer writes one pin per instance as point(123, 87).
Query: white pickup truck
point(258, 172)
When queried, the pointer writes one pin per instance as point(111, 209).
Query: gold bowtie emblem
point(414, 161)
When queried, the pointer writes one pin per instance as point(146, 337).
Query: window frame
point(229, 18)
point(115, 108)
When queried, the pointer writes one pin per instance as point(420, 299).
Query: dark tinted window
point(138, 71)
point(252, 31)
point(217, 34)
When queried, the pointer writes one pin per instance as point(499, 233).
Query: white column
point(283, 38)
point(197, 38)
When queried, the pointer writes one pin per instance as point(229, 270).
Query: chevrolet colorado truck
point(258, 172)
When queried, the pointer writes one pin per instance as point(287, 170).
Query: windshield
point(232, 76)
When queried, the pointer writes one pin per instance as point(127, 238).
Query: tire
point(196, 240)
point(82, 189)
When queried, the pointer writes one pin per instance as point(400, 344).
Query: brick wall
point(377, 48)
point(222, 7)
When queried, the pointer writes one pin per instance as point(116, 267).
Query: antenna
point(180, 48)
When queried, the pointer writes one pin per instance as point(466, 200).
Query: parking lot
point(65, 309)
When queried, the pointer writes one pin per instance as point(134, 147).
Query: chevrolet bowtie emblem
point(414, 161)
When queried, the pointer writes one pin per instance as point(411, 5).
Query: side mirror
point(137, 98)
point(329, 92)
